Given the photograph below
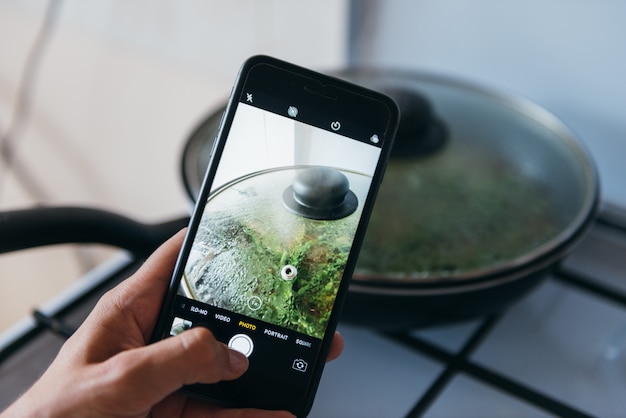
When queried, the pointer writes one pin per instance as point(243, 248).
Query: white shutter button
point(241, 343)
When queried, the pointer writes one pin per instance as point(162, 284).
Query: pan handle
point(28, 228)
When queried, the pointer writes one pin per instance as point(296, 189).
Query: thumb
point(151, 373)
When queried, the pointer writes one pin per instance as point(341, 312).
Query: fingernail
point(238, 362)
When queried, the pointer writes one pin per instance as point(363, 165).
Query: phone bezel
point(321, 87)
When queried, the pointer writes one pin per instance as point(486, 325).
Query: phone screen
point(273, 235)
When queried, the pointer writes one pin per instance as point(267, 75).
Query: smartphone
point(277, 227)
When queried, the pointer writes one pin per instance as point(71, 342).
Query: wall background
point(569, 56)
point(120, 86)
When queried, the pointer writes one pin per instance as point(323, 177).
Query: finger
point(150, 373)
point(157, 269)
point(191, 357)
point(197, 408)
point(336, 347)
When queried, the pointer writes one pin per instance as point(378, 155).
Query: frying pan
point(484, 195)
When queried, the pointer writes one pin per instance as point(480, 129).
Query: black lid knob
point(321, 193)
point(420, 132)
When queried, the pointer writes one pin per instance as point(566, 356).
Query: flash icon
point(292, 111)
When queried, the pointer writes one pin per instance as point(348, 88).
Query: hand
point(106, 369)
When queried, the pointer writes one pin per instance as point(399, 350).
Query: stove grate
point(460, 362)
point(455, 362)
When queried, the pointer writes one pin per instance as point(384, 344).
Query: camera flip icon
point(299, 365)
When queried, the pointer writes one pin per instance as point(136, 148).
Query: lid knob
point(321, 193)
point(420, 132)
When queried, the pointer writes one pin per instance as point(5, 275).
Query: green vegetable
point(454, 213)
point(248, 259)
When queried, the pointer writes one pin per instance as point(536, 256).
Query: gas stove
point(560, 351)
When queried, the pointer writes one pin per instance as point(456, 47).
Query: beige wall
point(119, 88)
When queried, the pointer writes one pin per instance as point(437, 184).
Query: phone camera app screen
point(274, 237)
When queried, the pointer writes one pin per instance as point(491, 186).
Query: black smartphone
point(277, 227)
